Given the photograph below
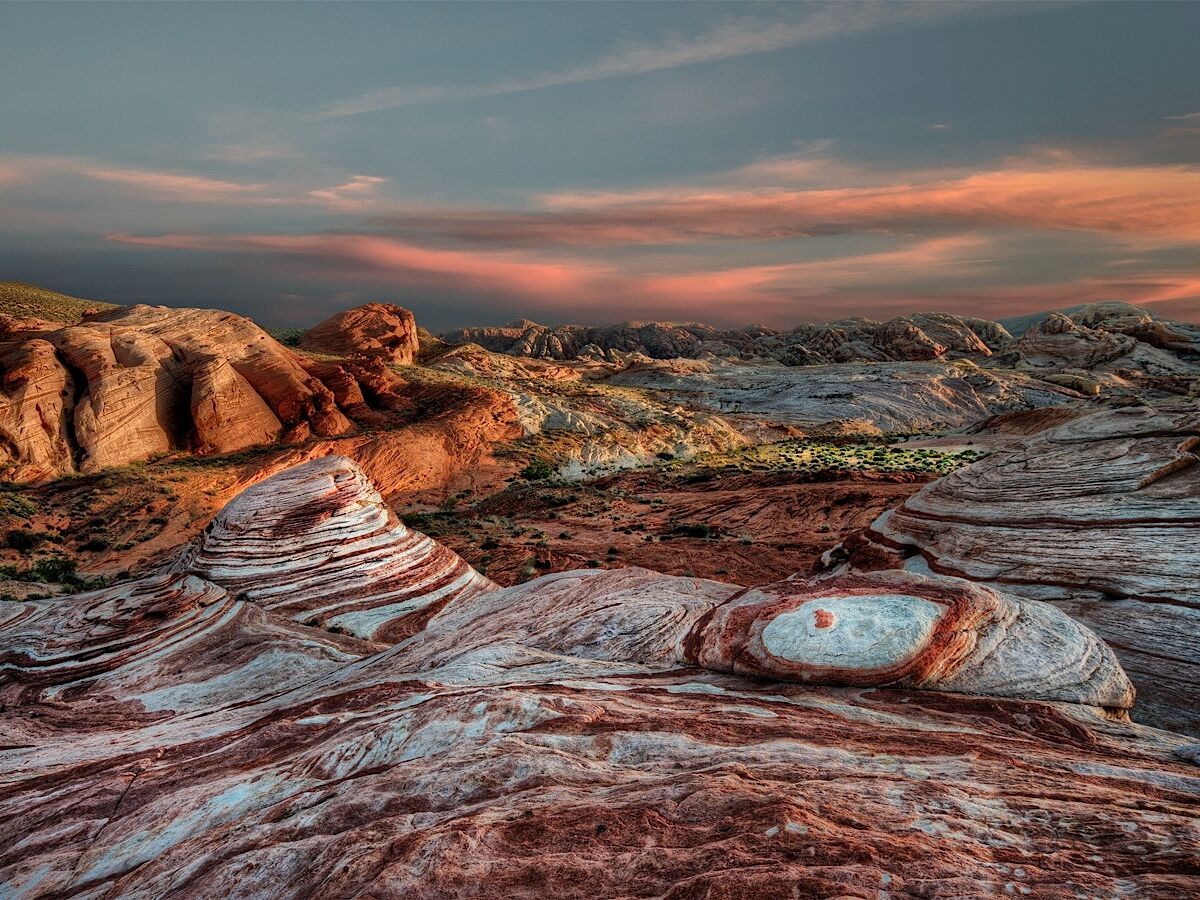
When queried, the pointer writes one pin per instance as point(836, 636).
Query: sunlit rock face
point(586, 734)
point(130, 383)
point(1099, 515)
point(316, 542)
point(906, 630)
point(375, 330)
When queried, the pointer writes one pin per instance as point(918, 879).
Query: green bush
point(536, 470)
point(55, 569)
point(19, 539)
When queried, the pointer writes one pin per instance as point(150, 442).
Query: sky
point(596, 162)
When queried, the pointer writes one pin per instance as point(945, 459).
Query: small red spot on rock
point(824, 618)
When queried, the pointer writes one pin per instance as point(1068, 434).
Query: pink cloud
point(780, 294)
point(172, 184)
point(1161, 203)
point(352, 255)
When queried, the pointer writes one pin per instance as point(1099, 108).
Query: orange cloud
point(869, 284)
point(350, 254)
point(171, 184)
point(1151, 202)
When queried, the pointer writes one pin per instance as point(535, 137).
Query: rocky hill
point(131, 383)
point(26, 301)
point(1119, 335)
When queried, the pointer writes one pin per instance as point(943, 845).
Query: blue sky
point(595, 162)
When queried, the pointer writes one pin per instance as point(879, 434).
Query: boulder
point(381, 330)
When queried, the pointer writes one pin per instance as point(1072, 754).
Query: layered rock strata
point(1100, 515)
point(132, 383)
point(171, 736)
point(317, 543)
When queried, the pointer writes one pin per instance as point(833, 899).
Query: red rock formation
point(227, 413)
point(36, 411)
point(1100, 515)
point(163, 737)
point(152, 380)
point(317, 543)
point(375, 330)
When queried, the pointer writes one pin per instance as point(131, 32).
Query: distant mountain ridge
point(912, 338)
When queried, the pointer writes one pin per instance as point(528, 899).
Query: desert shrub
point(55, 569)
point(536, 470)
point(20, 539)
point(95, 545)
point(697, 530)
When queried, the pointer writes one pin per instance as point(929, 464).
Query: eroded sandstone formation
point(317, 543)
point(1119, 334)
point(885, 397)
point(381, 330)
point(130, 383)
point(171, 736)
point(1099, 515)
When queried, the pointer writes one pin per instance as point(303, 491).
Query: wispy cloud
point(355, 195)
point(938, 273)
point(358, 194)
point(733, 38)
point(1185, 117)
point(1145, 204)
point(171, 184)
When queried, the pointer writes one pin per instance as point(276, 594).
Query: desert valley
point(902, 608)
point(641, 450)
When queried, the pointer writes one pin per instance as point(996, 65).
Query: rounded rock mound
point(374, 329)
point(317, 543)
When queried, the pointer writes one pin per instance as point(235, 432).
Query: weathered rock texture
point(169, 737)
point(375, 329)
point(1100, 515)
point(131, 383)
point(317, 543)
point(901, 630)
point(885, 397)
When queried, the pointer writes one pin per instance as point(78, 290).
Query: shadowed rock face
point(134, 382)
point(170, 736)
point(1100, 515)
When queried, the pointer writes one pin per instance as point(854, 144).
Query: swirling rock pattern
point(316, 542)
point(180, 736)
point(164, 738)
point(903, 630)
point(1100, 515)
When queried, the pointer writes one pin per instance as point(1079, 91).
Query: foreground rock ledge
point(172, 737)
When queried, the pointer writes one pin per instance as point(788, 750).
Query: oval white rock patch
point(858, 632)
